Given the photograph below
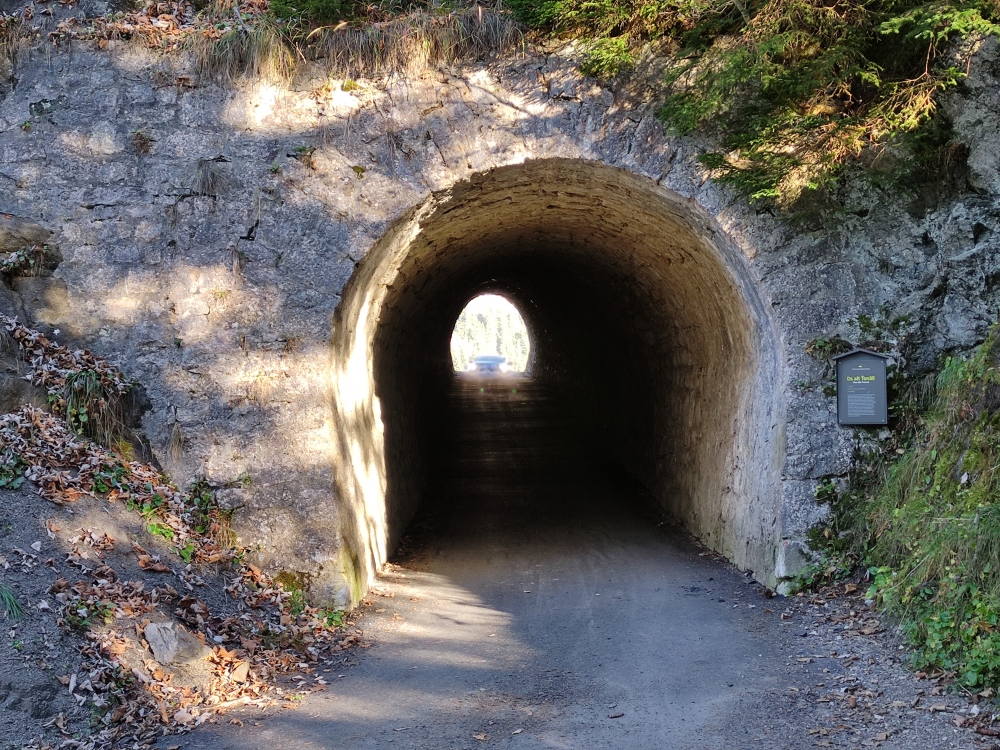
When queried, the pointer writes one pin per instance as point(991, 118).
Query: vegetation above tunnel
point(790, 91)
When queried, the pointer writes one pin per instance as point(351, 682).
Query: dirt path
point(539, 606)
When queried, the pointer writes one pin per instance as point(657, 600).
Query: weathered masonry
point(280, 267)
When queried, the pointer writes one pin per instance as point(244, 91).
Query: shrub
point(791, 89)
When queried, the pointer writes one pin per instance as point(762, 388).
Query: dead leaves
point(51, 363)
point(140, 698)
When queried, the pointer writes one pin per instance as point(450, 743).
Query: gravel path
point(539, 606)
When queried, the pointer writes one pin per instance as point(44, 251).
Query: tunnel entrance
point(647, 333)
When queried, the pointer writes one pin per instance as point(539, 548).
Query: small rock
point(172, 644)
point(241, 672)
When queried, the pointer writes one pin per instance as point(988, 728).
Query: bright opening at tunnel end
point(489, 335)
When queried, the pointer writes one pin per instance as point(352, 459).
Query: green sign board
point(862, 396)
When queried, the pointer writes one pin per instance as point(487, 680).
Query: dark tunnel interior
point(647, 354)
point(587, 403)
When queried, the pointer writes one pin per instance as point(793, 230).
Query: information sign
point(862, 396)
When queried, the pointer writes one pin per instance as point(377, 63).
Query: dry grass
point(14, 36)
point(175, 443)
point(415, 42)
point(257, 50)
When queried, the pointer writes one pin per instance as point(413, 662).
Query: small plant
point(349, 84)
point(25, 261)
point(12, 609)
point(275, 168)
point(83, 618)
point(27, 125)
point(606, 58)
point(187, 552)
point(824, 349)
point(18, 645)
point(12, 474)
point(359, 171)
point(158, 529)
point(208, 181)
point(90, 409)
point(333, 618)
point(297, 603)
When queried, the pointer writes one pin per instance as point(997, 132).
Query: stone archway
point(637, 304)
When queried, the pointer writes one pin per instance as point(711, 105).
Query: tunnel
point(650, 345)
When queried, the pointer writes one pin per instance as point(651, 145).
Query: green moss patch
point(934, 525)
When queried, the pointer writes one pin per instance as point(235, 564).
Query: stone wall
point(209, 262)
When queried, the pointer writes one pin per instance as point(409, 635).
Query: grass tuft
point(91, 409)
point(258, 49)
point(12, 609)
point(415, 41)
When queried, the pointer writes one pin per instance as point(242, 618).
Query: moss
point(350, 564)
point(931, 529)
point(293, 581)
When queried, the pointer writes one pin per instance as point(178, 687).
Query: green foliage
point(824, 348)
point(932, 528)
point(84, 618)
point(316, 11)
point(791, 89)
point(606, 58)
point(158, 529)
point(186, 552)
point(332, 618)
point(12, 474)
point(25, 261)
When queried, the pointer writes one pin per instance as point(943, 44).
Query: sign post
point(862, 394)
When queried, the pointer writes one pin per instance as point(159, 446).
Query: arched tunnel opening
point(652, 358)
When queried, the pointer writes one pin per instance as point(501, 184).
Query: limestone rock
point(16, 233)
point(172, 644)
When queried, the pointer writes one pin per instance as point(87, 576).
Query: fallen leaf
point(617, 715)
point(480, 737)
point(517, 731)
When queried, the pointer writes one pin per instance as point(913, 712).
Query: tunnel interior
point(650, 344)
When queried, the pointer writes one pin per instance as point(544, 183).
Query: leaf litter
point(272, 632)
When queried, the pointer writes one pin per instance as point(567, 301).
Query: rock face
point(259, 257)
point(172, 644)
